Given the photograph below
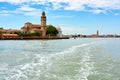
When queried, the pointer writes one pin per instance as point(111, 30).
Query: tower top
point(43, 13)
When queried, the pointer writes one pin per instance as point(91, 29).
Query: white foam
point(42, 62)
point(86, 68)
point(74, 48)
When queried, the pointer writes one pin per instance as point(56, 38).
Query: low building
point(29, 27)
point(59, 32)
point(9, 36)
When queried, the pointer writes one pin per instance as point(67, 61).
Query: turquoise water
point(70, 59)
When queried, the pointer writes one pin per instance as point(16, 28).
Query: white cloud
point(25, 10)
point(13, 1)
point(4, 13)
point(96, 6)
point(97, 11)
point(24, 1)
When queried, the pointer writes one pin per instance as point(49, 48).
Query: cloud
point(97, 11)
point(25, 10)
point(95, 6)
point(4, 13)
point(13, 1)
point(16, 2)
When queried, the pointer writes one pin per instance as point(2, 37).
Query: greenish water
point(71, 59)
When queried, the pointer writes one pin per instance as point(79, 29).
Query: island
point(33, 31)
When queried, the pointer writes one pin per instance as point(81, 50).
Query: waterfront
point(71, 59)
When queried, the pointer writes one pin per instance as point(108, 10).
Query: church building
point(29, 27)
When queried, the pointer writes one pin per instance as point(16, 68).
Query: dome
point(28, 23)
point(58, 28)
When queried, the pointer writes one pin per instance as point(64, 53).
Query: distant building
point(59, 32)
point(97, 33)
point(29, 27)
point(9, 36)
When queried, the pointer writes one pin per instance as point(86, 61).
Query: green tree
point(1, 28)
point(51, 30)
point(37, 33)
point(28, 33)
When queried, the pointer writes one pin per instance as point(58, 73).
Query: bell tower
point(97, 33)
point(43, 23)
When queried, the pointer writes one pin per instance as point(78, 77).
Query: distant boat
point(74, 37)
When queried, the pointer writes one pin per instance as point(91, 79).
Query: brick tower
point(97, 33)
point(43, 23)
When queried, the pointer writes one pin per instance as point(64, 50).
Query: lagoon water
point(70, 59)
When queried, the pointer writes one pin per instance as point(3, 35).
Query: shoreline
point(34, 38)
point(56, 38)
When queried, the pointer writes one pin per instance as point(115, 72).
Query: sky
point(72, 16)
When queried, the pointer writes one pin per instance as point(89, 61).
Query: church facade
point(29, 27)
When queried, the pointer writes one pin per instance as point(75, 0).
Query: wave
point(87, 67)
point(41, 64)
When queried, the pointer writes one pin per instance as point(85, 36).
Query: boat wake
point(52, 66)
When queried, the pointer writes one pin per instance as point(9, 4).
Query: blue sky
point(73, 16)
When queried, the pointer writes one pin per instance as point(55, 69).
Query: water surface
point(71, 59)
